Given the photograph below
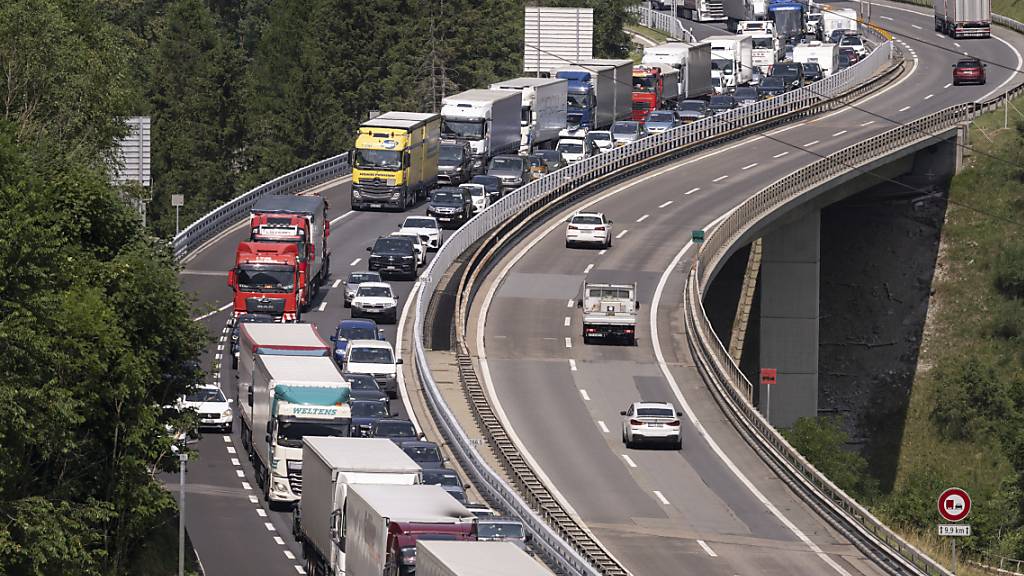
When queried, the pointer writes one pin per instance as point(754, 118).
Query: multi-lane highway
point(717, 509)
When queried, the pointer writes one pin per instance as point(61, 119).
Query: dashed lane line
point(664, 204)
point(279, 540)
point(568, 319)
point(691, 191)
point(811, 143)
point(208, 314)
point(904, 109)
point(661, 497)
point(235, 462)
point(749, 166)
point(246, 486)
point(584, 394)
point(642, 218)
point(840, 133)
point(929, 97)
point(261, 512)
point(707, 549)
point(570, 304)
point(572, 365)
point(868, 123)
point(568, 342)
point(629, 461)
point(588, 268)
point(720, 178)
point(780, 154)
point(269, 526)
point(621, 234)
point(603, 427)
point(356, 261)
point(323, 306)
point(336, 283)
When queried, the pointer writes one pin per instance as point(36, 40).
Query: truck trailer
point(330, 466)
point(487, 120)
point(609, 312)
point(383, 523)
point(693, 62)
point(439, 558)
point(600, 92)
point(732, 56)
point(963, 18)
point(542, 112)
point(824, 54)
point(837, 19)
point(293, 397)
point(738, 10)
point(301, 220)
point(394, 162)
point(265, 280)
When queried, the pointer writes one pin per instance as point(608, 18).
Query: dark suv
point(792, 73)
point(393, 255)
point(451, 206)
point(454, 163)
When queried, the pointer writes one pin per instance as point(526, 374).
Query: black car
point(397, 430)
point(365, 387)
point(791, 72)
point(722, 103)
point(812, 72)
point(772, 86)
point(492, 184)
point(447, 479)
point(746, 95)
point(451, 206)
point(844, 61)
point(243, 319)
point(426, 454)
point(364, 414)
point(393, 255)
point(454, 164)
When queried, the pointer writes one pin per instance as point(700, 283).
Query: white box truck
point(733, 57)
point(330, 466)
point(838, 19)
point(542, 115)
point(963, 18)
point(487, 120)
point(693, 62)
point(737, 10)
point(765, 49)
point(609, 312)
point(439, 558)
point(600, 92)
point(825, 55)
point(382, 524)
point(293, 397)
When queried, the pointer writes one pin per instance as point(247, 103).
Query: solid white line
point(568, 342)
point(240, 473)
point(261, 512)
point(227, 438)
point(246, 486)
point(289, 555)
point(707, 548)
point(664, 204)
point(840, 133)
point(570, 304)
point(602, 426)
point(235, 462)
point(1020, 64)
point(588, 268)
point(904, 109)
point(661, 497)
point(929, 97)
point(691, 191)
point(749, 166)
point(253, 499)
point(567, 320)
point(868, 123)
point(885, 17)
point(585, 395)
point(720, 178)
point(400, 330)
point(354, 262)
point(642, 218)
point(572, 365)
point(602, 252)
point(269, 527)
point(336, 283)
point(629, 461)
point(863, 101)
point(342, 217)
point(812, 143)
point(780, 154)
point(915, 26)
point(231, 449)
point(323, 306)
point(621, 234)
point(279, 540)
point(208, 314)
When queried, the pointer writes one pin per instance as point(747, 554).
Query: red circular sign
point(954, 504)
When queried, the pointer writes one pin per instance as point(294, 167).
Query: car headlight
point(396, 195)
point(226, 413)
point(407, 257)
point(356, 194)
point(389, 304)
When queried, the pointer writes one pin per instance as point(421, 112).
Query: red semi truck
point(652, 87)
point(266, 280)
point(299, 220)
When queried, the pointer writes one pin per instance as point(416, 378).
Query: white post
point(177, 219)
point(182, 459)
point(768, 405)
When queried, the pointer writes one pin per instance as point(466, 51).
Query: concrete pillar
point(789, 318)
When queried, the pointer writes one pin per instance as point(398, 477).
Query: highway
point(705, 519)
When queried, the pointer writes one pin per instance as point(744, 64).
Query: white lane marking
point(957, 44)
point(572, 365)
point(786, 129)
point(929, 97)
point(354, 262)
point(289, 555)
point(299, 569)
point(246, 486)
point(749, 166)
point(811, 143)
point(220, 347)
point(661, 497)
point(279, 540)
point(231, 449)
point(904, 109)
point(217, 357)
point(840, 133)
point(336, 283)
point(863, 101)
point(569, 304)
point(692, 190)
point(269, 526)
point(621, 234)
point(1020, 64)
point(235, 462)
point(602, 252)
point(916, 27)
point(568, 342)
point(323, 306)
point(602, 426)
point(780, 154)
point(707, 548)
point(208, 314)
point(567, 320)
point(342, 217)
point(400, 330)
point(227, 438)
point(585, 395)
point(868, 123)
point(261, 512)
point(642, 218)
point(629, 461)
point(664, 204)
point(720, 178)
point(885, 17)
point(702, 432)
point(240, 473)
point(253, 499)
point(588, 268)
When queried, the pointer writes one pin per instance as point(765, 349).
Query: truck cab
point(609, 312)
point(394, 162)
point(301, 220)
point(266, 280)
point(580, 99)
point(648, 88)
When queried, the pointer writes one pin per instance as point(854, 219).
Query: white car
point(375, 300)
point(651, 422)
point(588, 228)
point(851, 41)
point(213, 409)
point(375, 357)
point(417, 245)
point(479, 195)
point(602, 139)
point(427, 229)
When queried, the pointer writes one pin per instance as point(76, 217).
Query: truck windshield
point(787, 22)
point(525, 115)
point(470, 129)
point(290, 433)
point(621, 293)
point(266, 278)
point(370, 356)
point(379, 159)
point(569, 148)
point(644, 83)
point(578, 101)
point(722, 64)
point(450, 155)
point(763, 43)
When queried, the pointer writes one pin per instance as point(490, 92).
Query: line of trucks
point(360, 507)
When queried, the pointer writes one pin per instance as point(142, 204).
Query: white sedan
point(588, 228)
point(652, 422)
point(427, 229)
point(375, 300)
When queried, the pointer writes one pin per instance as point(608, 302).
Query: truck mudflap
point(608, 333)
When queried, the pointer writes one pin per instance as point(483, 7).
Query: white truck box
point(542, 114)
point(963, 18)
point(737, 49)
point(329, 467)
point(487, 119)
point(765, 50)
point(838, 19)
point(440, 558)
point(692, 60)
point(736, 10)
point(823, 54)
point(670, 83)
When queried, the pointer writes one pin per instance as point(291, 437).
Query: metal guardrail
point(662, 22)
point(233, 211)
point(566, 556)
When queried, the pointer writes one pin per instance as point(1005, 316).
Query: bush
point(973, 399)
point(823, 442)
point(1009, 270)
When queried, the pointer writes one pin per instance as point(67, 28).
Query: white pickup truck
point(609, 312)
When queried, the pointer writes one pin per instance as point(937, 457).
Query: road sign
point(177, 199)
point(697, 236)
point(768, 376)
point(954, 504)
point(954, 529)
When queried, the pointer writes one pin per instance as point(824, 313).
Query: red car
point(968, 71)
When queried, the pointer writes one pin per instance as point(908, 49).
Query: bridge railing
point(662, 22)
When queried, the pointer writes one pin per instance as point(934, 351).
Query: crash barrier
point(663, 22)
point(556, 536)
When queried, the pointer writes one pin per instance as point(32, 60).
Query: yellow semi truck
point(394, 163)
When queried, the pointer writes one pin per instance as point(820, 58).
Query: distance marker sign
point(954, 504)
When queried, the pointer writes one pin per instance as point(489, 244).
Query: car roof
point(208, 387)
point(643, 404)
point(500, 520)
point(418, 444)
point(972, 60)
point(357, 322)
point(407, 218)
point(582, 213)
point(375, 285)
point(368, 344)
point(404, 234)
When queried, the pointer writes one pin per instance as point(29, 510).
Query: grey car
point(692, 110)
point(513, 171)
point(627, 131)
point(661, 121)
point(501, 529)
point(354, 280)
point(447, 479)
point(454, 162)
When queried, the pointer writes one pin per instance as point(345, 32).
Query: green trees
point(823, 443)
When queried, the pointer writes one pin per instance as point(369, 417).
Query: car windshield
point(722, 101)
point(773, 82)
point(369, 409)
point(361, 381)
point(656, 412)
point(690, 105)
point(420, 223)
point(594, 220)
point(206, 395)
point(548, 155)
point(850, 41)
point(469, 129)
point(497, 530)
point(360, 277)
point(451, 154)
point(624, 129)
point(844, 60)
point(492, 182)
point(569, 147)
point(661, 117)
point(447, 197)
point(374, 291)
point(722, 64)
point(423, 453)
point(441, 478)
point(746, 92)
point(477, 192)
point(811, 68)
point(266, 278)
point(357, 333)
point(399, 245)
point(381, 159)
point(290, 433)
point(371, 356)
point(394, 429)
point(501, 163)
point(600, 136)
